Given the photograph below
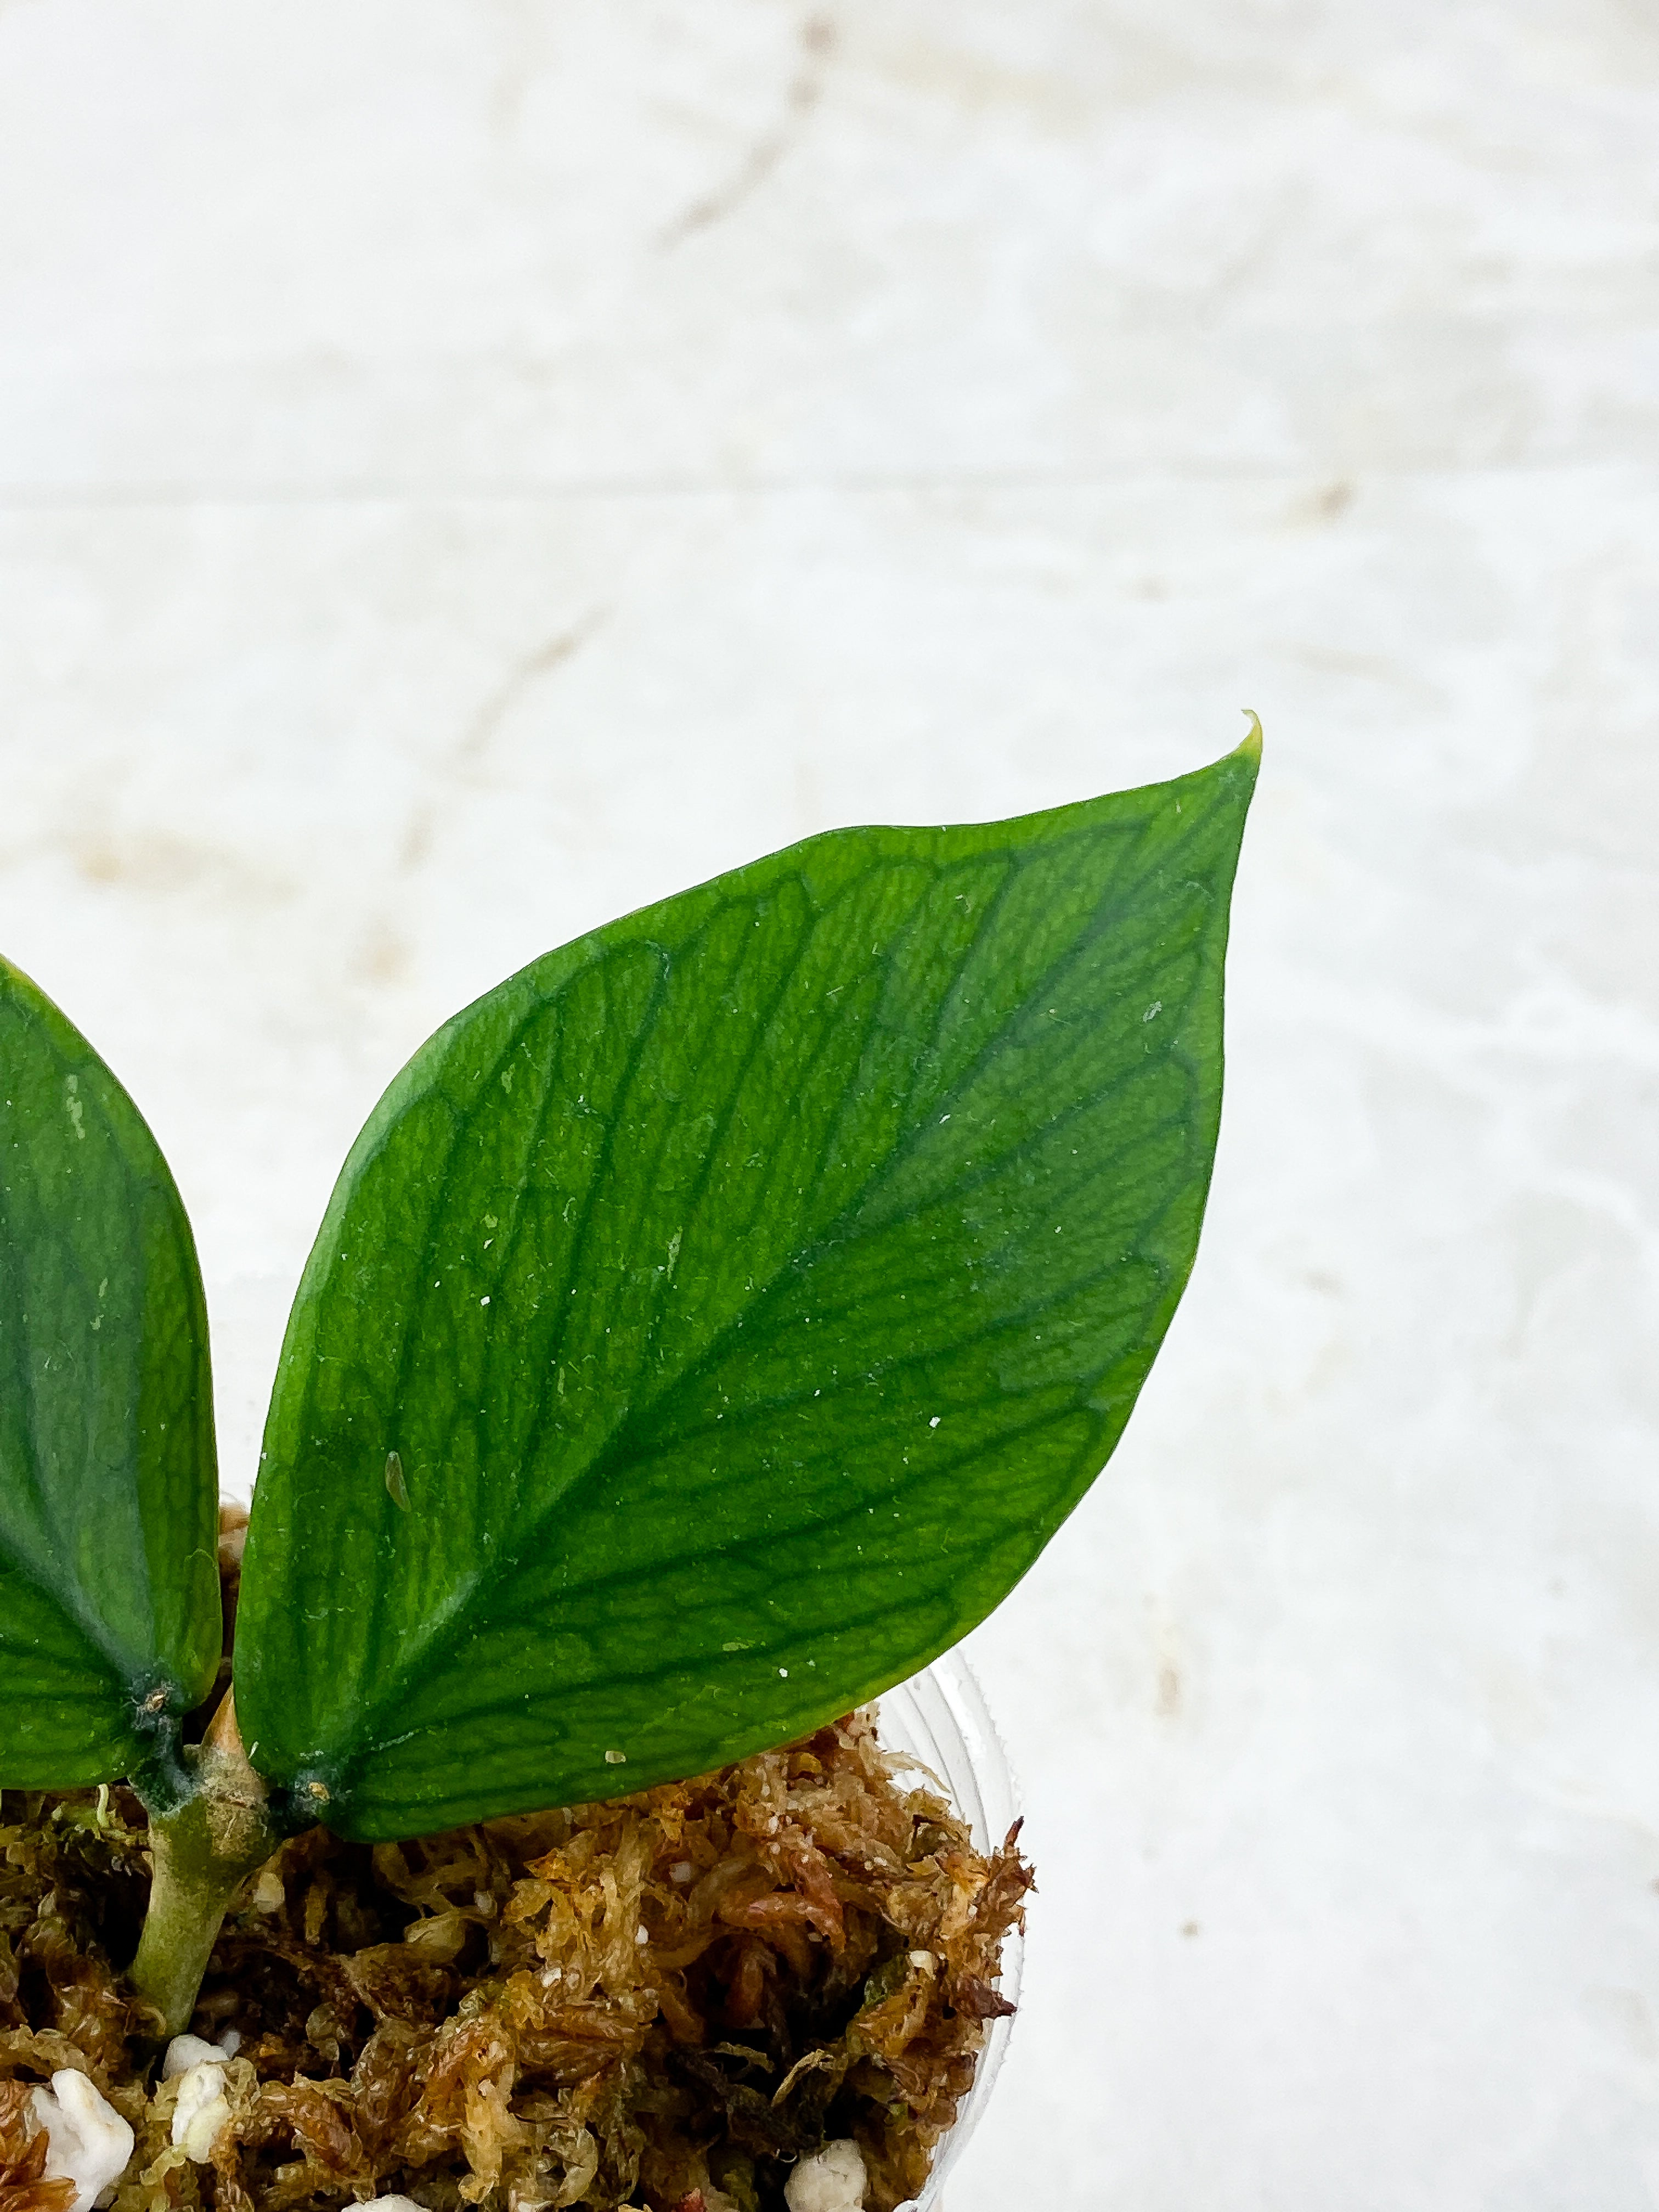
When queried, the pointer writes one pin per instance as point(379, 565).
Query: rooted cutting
point(708, 1328)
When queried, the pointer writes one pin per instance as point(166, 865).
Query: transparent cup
point(940, 1718)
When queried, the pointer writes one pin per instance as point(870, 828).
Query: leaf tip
point(1250, 745)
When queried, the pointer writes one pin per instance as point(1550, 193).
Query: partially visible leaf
point(742, 1296)
point(109, 1589)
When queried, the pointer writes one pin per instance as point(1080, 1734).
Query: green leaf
point(109, 1590)
point(714, 1322)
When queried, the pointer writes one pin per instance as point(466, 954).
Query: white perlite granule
point(88, 2141)
point(187, 2050)
point(202, 2108)
point(831, 2180)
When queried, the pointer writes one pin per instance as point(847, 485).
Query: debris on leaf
point(685, 1996)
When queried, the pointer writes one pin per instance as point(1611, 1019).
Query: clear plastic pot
point(940, 1717)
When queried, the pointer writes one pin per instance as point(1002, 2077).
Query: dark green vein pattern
point(109, 1592)
point(748, 1291)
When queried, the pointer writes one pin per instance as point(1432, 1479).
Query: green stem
point(203, 1853)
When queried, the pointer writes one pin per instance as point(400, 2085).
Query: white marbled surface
point(466, 469)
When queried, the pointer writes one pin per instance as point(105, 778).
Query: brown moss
point(661, 2001)
point(628, 2003)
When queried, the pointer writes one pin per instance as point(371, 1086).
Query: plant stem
point(202, 1853)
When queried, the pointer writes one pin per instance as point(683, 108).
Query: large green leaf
point(109, 1592)
point(714, 1322)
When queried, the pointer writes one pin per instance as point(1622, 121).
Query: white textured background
point(467, 469)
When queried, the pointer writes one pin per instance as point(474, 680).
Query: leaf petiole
point(203, 1850)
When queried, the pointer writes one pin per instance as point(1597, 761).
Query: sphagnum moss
point(626, 2003)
